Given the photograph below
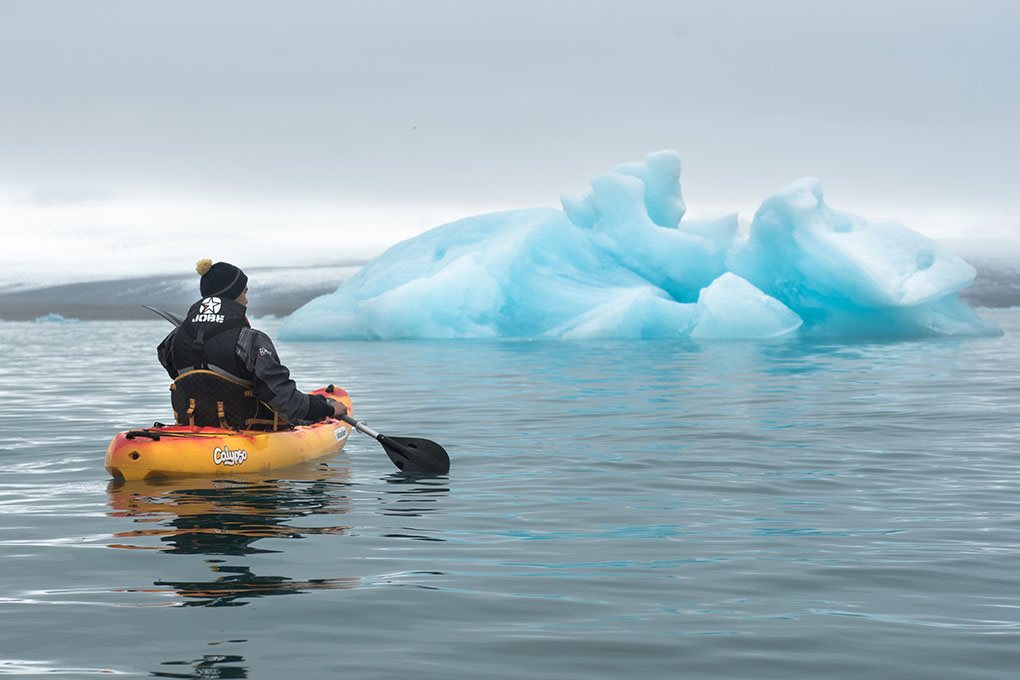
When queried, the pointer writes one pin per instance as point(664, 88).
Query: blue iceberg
point(620, 261)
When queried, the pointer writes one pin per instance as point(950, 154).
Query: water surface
point(643, 509)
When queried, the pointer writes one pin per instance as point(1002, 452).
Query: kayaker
point(226, 373)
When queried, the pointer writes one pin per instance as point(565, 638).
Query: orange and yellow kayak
point(185, 451)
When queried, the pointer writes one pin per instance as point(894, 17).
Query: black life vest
point(213, 388)
point(207, 340)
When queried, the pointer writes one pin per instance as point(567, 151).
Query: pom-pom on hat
point(221, 279)
point(203, 266)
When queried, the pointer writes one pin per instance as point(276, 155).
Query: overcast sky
point(142, 135)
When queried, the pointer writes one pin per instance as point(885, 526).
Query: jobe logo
point(209, 311)
point(225, 456)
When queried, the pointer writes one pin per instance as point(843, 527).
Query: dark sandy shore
point(997, 284)
point(276, 292)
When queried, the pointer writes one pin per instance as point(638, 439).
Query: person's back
point(227, 374)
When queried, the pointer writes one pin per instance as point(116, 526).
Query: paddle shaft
point(361, 427)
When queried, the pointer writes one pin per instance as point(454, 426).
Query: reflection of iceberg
point(622, 262)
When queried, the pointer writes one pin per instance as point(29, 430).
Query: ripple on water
point(614, 510)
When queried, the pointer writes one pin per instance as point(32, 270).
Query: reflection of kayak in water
point(228, 518)
point(237, 585)
point(185, 451)
point(215, 515)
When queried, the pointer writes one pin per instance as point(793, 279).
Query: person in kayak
point(228, 374)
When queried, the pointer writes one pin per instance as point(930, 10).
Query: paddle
point(169, 316)
point(411, 455)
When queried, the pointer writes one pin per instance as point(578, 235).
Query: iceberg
point(623, 261)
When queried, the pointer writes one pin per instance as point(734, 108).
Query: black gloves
point(319, 408)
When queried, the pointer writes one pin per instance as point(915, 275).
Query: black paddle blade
point(416, 456)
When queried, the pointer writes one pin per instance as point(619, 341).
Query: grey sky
point(905, 108)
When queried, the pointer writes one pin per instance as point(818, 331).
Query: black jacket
point(243, 353)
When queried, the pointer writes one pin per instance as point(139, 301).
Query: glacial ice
point(621, 261)
point(846, 276)
point(731, 308)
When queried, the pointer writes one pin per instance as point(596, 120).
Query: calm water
point(614, 509)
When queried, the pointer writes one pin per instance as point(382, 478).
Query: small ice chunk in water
point(53, 317)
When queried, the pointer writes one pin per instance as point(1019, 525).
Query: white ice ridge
point(622, 262)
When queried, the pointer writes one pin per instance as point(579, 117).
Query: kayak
point(168, 451)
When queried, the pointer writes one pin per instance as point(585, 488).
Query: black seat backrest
point(207, 399)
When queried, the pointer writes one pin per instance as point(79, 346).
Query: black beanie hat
point(221, 279)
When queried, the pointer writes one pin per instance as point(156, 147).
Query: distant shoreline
point(273, 292)
point(278, 292)
point(997, 285)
